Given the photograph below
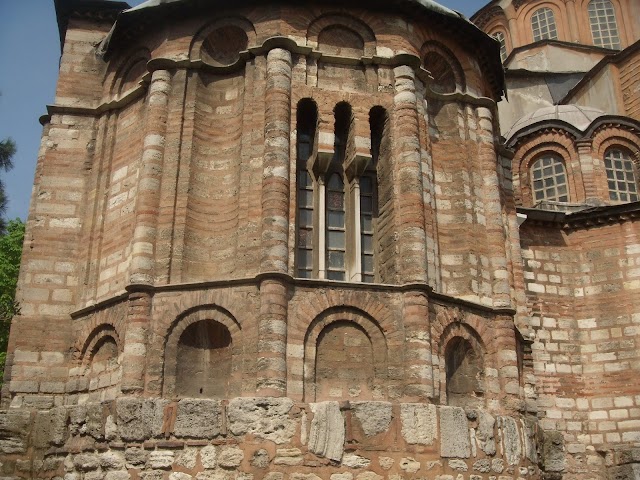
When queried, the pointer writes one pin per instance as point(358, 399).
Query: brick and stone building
point(287, 241)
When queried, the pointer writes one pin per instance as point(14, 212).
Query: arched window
point(620, 176)
point(549, 179)
point(543, 24)
point(499, 36)
point(336, 229)
point(307, 120)
point(444, 79)
point(604, 27)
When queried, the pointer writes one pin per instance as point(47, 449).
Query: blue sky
point(29, 57)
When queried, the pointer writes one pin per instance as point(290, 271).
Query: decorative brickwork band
point(406, 147)
point(272, 339)
point(135, 342)
point(144, 237)
point(275, 178)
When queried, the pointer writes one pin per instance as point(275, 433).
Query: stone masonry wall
point(270, 438)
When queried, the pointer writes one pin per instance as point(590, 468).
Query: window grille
point(620, 176)
point(543, 24)
point(499, 36)
point(604, 27)
point(549, 179)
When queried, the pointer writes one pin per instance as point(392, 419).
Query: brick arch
point(345, 21)
point(559, 142)
point(112, 318)
point(128, 70)
point(209, 312)
point(348, 315)
point(99, 334)
point(559, 14)
point(607, 136)
point(433, 46)
point(201, 35)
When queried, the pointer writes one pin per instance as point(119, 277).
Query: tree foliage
point(7, 150)
point(10, 253)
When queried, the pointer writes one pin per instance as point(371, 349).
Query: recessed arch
point(131, 71)
point(336, 333)
point(343, 24)
point(219, 43)
point(444, 67)
point(204, 335)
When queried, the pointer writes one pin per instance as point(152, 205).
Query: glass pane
point(305, 198)
point(366, 186)
point(306, 217)
point(335, 219)
point(335, 182)
point(305, 238)
point(305, 259)
point(367, 263)
point(366, 223)
point(366, 204)
point(335, 239)
point(335, 275)
point(335, 200)
point(367, 243)
point(336, 260)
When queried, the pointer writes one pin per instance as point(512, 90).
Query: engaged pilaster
point(275, 225)
point(406, 135)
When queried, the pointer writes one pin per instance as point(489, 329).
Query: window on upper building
point(549, 179)
point(604, 27)
point(499, 36)
point(543, 24)
point(620, 176)
point(337, 198)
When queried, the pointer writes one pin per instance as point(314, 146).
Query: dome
point(576, 116)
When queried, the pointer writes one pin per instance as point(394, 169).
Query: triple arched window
point(604, 27)
point(543, 25)
point(337, 197)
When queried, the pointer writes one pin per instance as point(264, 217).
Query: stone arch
point(559, 14)
point(464, 355)
point(560, 143)
point(131, 71)
point(333, 373)
point(444, 67)
point(221, 42)
point(351, 30)
point(99, 334)
point(219, 338)
point(99, 359)
point(607, 136)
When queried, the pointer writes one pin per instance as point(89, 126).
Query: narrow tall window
point(307, 119)
point(543, 24)
point(499, 36)
point(367, 196)
point(604, 27)
point(336, 231)
point(620, 176)
point(549, 179)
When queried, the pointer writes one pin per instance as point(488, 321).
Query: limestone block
point(180, 476)
point(342, 476)
point(117, 475)
point(135, 457)
point(409, 465)
point(110, 428)
point(112, 460)
point(260, 458)
point(304, 476)
point(161, 459)
point(553, 451)
point(458, 465)
point(187, 458)
point(266, 418)
point(95, 420)
point(386, 462)
point(197, 418)
point(50, 427)
point(511, 440)
point(355, 461)
point(326, 438)
point(86, 461)
point(454, 433)
point(368, 476)
point(374, 417)
point(485, 434)
point(418, 423)
point(530, 450)
point(139, 419)
point(482, 466)
point(213, 475)
point(230, 457)
point(288, 456)
point(497, 465)
point(14, 428)
point(208, 457)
